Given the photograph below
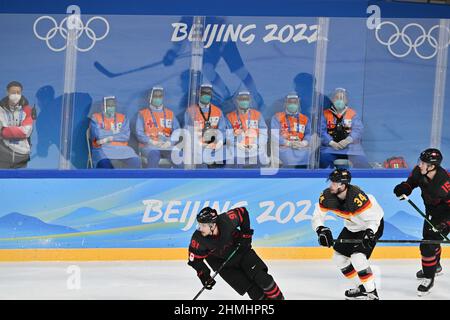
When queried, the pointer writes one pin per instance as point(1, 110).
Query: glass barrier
point(139, 91)
point(223, 81)
point(398, 96)
point(135, 58)
point(33, 69)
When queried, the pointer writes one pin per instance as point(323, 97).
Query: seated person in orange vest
point(110, 132)
point(154, 127)
point(207, 124)
point(246, 134)
point(294, 133)
point(341, 132)
point(16, 126)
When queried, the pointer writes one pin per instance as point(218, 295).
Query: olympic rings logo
point(72, 22)
point(408, 42)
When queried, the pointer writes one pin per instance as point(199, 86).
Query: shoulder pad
point(328, 200)
point(196, 243)
point(358, 199)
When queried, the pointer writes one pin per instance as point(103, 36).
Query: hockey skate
point(360, 293)
point(425, 287)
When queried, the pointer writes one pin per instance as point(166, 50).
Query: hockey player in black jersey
point(215, 239)
point(434, 183)
point(363, 221)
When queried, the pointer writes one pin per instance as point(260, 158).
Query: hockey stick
point(110, 74)
point(403, 196)
point(218, 270)
point(393, 241)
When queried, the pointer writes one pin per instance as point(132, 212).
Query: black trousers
point(347, 249)
point(431, 253)
point(243, 271)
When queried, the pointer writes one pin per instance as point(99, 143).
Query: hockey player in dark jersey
point(363, 220)
point(216, 237)
point(434, 183)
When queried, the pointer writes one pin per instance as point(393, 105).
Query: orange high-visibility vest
point(248, 123)
point(199, 122)
point(107, 125)
point(153, 130)
point(295, 129)
point(331, 120)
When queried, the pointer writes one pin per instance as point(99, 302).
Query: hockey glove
point(402, 189)
point(207, 281)
point(325, 236)
point(369, 241)
point(443, 227)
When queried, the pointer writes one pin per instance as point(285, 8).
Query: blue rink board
point(91, 210)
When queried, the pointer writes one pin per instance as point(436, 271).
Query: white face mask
point(15, 97)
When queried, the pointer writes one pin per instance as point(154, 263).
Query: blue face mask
point(339, 104)
point(157, 102)
point(292, 107)
point(244, 104)
point(205, 99)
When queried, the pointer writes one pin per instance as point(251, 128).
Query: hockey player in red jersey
point(216, 237)
point(434, 182)
point(363, 221)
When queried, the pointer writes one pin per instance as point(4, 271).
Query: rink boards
point(136, 215)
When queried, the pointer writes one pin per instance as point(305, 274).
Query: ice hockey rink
point(172, 280)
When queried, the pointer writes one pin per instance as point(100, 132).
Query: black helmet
point(207, 215)
point(340, 175)
point(431, 156)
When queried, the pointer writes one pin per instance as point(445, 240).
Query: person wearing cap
point(207, 124)
point(110, 132)
point(216, 238)
point(434, 183)
point(154, 127)
point(341, 133)
point(16, 126)
point(293, 130)
point(363, 223)
point(246, 134)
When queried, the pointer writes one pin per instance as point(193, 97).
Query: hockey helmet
point(431, 156)
point(340, 175)
point(207, 215)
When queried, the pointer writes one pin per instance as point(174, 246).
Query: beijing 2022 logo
point(62, 29)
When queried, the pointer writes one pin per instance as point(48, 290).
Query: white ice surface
point(169, 280)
